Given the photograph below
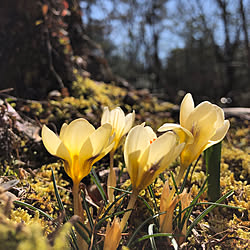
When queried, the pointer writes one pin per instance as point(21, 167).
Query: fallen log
point(243, 113)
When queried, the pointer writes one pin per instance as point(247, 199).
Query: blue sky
point(170, 39)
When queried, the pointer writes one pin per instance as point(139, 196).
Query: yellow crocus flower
point(146, 156)
point(80, 145)
point(205, 122)
point(121, 124)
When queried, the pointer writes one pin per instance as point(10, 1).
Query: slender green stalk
point(96, 180)
point(111, 178)
point(78, 210)
point(213, 158)
point(209, 209)
point(131, 204)
point(76, 200)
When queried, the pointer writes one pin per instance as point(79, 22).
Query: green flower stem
point(131, 204)
point(111, 178)
point(111, 158)
point(78, 210)
point(77, 200)
point(213, 158)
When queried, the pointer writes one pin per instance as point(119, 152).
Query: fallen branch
point(240, 112)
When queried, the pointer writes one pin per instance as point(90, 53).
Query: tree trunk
point(40, 42)
point(246, 39)
point(229, 48)
point(33, 45)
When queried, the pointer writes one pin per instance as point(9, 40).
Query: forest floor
point(26, 176)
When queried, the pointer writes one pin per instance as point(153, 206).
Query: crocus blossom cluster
point(80, 145)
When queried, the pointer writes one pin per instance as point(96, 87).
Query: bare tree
point(245, 31)
point(231, 43)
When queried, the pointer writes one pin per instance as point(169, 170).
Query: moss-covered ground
point(24, 158)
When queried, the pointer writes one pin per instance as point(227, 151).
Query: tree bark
point(229, 47)
point(246, 38)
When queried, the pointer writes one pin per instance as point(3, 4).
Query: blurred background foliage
point(168, 46)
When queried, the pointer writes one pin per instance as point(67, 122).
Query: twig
point(51, 66)
point(20, 99)
point(6, 90)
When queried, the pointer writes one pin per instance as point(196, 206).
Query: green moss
point(18, 236)
point(29, 234)
point(97, 93)
point(34, 239)
point(61, 242)
point(27, 229)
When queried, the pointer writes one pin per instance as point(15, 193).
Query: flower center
point(151, 141)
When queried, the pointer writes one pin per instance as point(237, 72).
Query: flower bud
point(113, 235)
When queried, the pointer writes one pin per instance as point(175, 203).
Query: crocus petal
point(168, 126)
point(137, 140)
point(160, 147)
point(160, 154)
point(50, 140)
point(151, 134)
point(168, 158)
point(220, 116)
point(133, 166)
point(202, 122)
point(54, 145)
point(100, 138)
point(62, 131)
point(76, 133)
point(96, 143)
point(184, 135)
point(117, 120)
point(204, 113)
point(219, 135)
point(141, 173)
point(187, 106)
point(91, 161)
point(129, 120)
point(172, 155)
point(202, 129)
point(136, 143)
point(94, 148)
point(105, 151)
point(105, 116)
